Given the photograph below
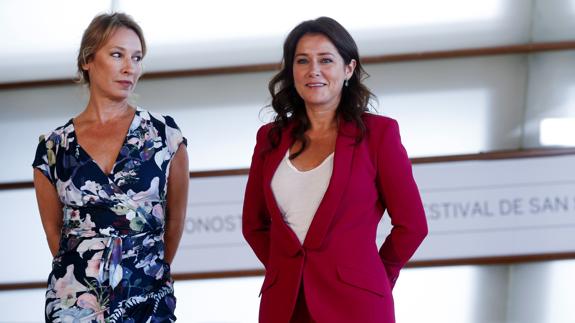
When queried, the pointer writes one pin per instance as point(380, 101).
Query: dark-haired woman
point(321, 177)
point(111, 186)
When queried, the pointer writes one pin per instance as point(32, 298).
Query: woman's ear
point(86, 61)
point(350, 68)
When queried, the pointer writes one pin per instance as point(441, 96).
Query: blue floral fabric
point(110, 265)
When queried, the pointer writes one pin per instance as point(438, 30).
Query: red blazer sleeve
point(255, 218)
point(400, 195)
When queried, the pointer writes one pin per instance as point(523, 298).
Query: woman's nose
point(128, 66)
point(313, 69)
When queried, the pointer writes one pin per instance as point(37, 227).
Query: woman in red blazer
point(318, 244)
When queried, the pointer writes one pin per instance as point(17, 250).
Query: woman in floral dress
point(111, 186)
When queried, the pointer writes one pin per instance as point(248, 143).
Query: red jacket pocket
point(363, 279)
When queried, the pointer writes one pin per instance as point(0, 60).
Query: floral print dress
point(110, 265)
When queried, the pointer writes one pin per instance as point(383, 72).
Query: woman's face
point(116, 66)
point(319, 72)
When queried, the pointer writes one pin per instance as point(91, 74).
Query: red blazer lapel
point(288, 238)
point(343, 157)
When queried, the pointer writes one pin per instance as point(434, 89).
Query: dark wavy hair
point(356, 98)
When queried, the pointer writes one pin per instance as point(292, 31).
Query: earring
point(346, 83)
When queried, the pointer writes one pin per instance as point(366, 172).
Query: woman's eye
point(116, 55)
point(301, 61)
point(326, 60)
point(137, 58)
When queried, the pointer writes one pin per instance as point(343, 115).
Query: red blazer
point(345, 277)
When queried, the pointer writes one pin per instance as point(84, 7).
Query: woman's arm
point(255, 219)
point(401, 197)
point(177, 202)
point(50, 209)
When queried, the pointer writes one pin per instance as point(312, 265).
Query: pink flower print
point(93, 268)
point(91, 244)
point(69, 193)
point(87, 225)
point(158, 212)
point(173, 138)
point(71, 215)
point(90, 301)
point(91, 186)
point(151, 193)
point(67, 287)
point(135, 142)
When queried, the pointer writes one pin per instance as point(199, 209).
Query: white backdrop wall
point(184, 34)
point(551, 93)
point(482, 100)
point(553, 20)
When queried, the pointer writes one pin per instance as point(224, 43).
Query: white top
point(298, 194)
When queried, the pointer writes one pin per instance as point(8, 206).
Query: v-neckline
point(308, 171)
point(127, 133)
point(342, 165)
